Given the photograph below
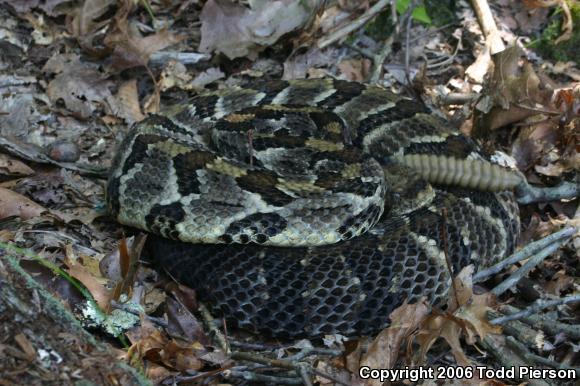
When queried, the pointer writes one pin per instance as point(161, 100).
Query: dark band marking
point(186, 167)
point(204, 107)
point(138, 151)
point(264, 184)
point(454, 146)
point(345, 91)
point(162, 219)
point(402, 110)
point(257, 228)
point(270, 89)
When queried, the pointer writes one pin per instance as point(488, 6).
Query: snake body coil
point(311, 207)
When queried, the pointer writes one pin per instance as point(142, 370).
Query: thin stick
point(533, 358)
point(527, 194)
point(354, 25)
point(545, 323)
point(535, 307)
point(558, 238)
point(515, 277)
point(379, 59)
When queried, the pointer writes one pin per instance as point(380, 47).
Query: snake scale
point(309, 207)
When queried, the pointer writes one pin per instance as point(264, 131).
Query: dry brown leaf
point(552, 170)
point(24, 6)
point(85, 19)
point(81, 86)
point(127, 106)
point(514, 93)
point(149, 343)
point(384, 349)
point(559, 283)
point(26, 345)
point(14, 204)
point(94, 283)
point(183, 323)
point(130, 48)
point(11, 167)
point(466, 317)
point(237, 31)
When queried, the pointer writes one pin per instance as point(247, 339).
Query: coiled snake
point(312, 206)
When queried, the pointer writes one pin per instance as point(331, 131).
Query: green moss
point(564, 51)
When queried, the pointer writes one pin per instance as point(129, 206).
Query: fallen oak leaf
point(384, 349)
point(466, 316)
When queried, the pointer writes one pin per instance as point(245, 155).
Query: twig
point(447, 60)
point(533, 358)
point(488, 27)
point(379, 59)
point(545, 323)
point(354, 25)
point(527, 194)
point(283, 363)
point(303, 371)
point(519, 330)
point(455, 98)
point(363, 51)
point(162, 57)
point(256, 346)
point(267, 379)
point(535, 307)
point(536, 259)
point(307, 351)
point(504, 354)
point(407, 44)
point(446, 253)
point(559, 238)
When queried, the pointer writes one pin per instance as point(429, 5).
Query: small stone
point(64, 151)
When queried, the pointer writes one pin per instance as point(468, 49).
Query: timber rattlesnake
point(305, 206)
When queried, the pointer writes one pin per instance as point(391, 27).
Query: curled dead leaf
point(384, 349)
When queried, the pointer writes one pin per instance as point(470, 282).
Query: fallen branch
point(536, 359)
point(556, 239)
point(545, 323)
point(527, 194)
point(488, 27)
point(495, 345)
point(535, 307)
point(515, 277)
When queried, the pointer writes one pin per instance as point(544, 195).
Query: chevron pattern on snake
point(287, 204)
